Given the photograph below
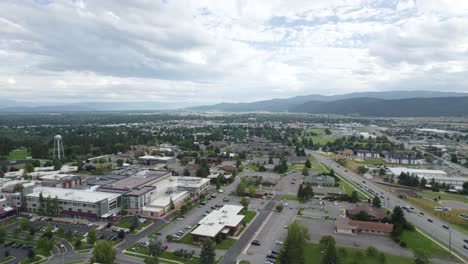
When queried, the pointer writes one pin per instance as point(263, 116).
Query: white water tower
point(58, 147)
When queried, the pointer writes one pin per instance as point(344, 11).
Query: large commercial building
point(155, 160)
point(439, 176)
point(226, 221)
point(84, 204)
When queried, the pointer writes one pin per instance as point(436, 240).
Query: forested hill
point(411, 107)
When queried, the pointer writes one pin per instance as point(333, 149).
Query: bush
point(402, 244)
point(169, 237)
point(342, 252)
point(279, 208)
point(371, 251)
point(359, 254)
point(178, 253)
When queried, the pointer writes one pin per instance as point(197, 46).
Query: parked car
point(430, 220)
point(278, 242)
point(446, 227)
point(271, 256)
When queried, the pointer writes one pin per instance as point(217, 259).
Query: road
point(451, 237)
point(232, 254)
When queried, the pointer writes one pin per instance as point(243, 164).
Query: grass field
point(249, 216)
point(18, 155)
point(446, 196)
point(127, 223)
point(289, 197)
point(351, 256)
point(415, 240)
point(164, 255)
point(321, 136)
point(452, 217)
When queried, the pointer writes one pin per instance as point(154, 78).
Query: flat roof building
point(226, 220)
point(76, 203)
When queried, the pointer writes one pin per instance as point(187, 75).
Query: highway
point(448, 237)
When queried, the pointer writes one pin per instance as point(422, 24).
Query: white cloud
point(237, 50)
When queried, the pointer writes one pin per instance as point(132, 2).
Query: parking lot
point(269, 236)
point(15, 250)
point(319, 228)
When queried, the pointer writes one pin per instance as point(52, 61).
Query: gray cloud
point(211, 51)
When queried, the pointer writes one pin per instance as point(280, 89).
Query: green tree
point(3, 234)
point(279, 207)
point(55, 206)
point(154, 247)
point(292, 251)
point(40, 210)
point(103, 252)
point(29, 167)
point(171, 204)
point(421, 256)
point(354, 197)
point(91, 236)
point(207, 255)
point(330, 256)
point(305, 171)
point(308, 164)
point(151, 260)
point(270, 160)
point(308, 192)
point(245, 203)
point(241, 187)
point(300, 192)
point(326, 241)
point(119, 162)
point(371, 251)
point(376, 202)
point(24, 224)
point(18, 187)
point(57, 164)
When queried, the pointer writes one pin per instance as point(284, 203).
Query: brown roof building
point(375, 214)
point(348, 226)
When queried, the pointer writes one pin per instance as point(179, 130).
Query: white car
point(188, 227)
point(277, 242)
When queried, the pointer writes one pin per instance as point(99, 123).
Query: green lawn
point(351, 256)
point(186, 239)
point(415, 240)
point(321, 137)
point(244, 262)
point(127, 223)
point(225, 244)
point(446, 196)
point(18, 155)
point(249, 215)
point(10, 221)
point(289, 197)
point(162, 256)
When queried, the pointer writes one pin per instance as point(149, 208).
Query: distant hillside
point(411, 107)
point(288, 104)
point(87, 107)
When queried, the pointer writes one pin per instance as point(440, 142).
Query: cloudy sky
point(204, 51)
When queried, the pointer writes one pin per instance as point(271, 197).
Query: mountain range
point(386, 104)
point(393, 103)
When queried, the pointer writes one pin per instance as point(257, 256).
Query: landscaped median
point(134, 223)
point(170, 257)
point(347, 255)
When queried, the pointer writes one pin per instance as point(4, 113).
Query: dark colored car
point(256, 243)
point(430, 220)
point(446, 227)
